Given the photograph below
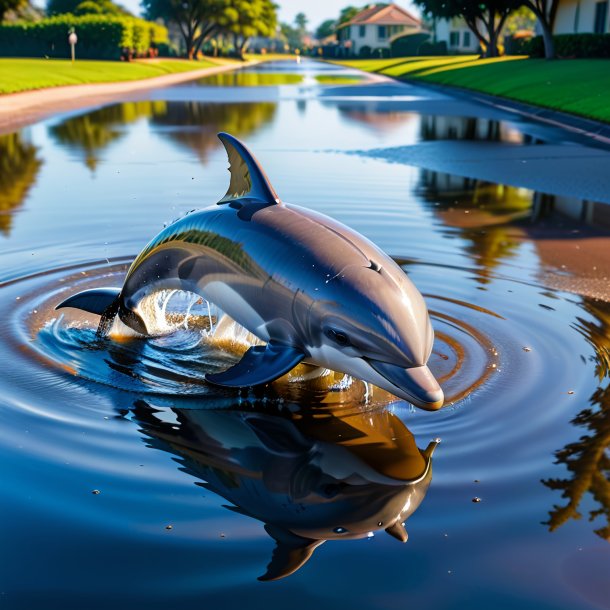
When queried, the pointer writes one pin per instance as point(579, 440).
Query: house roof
point(379, 14)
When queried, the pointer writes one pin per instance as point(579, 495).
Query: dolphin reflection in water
point(316, 475)
point(310, 288)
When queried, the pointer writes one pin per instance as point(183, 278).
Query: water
point(517, 285)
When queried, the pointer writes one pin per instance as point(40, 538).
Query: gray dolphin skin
point(311, 288)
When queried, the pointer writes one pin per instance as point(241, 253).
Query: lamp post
point(72, 39)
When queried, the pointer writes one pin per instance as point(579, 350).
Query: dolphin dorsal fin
point(290, 554)
point(248, 180)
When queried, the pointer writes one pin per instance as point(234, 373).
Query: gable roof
point(379, 14)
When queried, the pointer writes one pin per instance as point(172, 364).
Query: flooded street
point(129, 482)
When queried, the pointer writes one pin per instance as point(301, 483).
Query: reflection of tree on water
point(92, 132)
point(482, 211)
point(200, 122)
point(19, 167)
point(310, 476)
point(588, 459)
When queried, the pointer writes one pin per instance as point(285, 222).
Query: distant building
point(375, 27)
point(456, 34)
point(582, 17)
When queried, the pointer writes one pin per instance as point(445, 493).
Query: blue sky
point(316, 10)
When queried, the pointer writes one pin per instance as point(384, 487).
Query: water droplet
point(169, 527)
point(96, 492)
point(339, 530)
point(476, 481)
point(380, 524)
point(222, 535)
point(527, 349)
point(570, 391)
point(476, 499)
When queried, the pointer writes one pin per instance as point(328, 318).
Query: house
point(581, 17)
point(375, 28)
point(456, 34)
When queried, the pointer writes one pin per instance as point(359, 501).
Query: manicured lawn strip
point(577, 86)
point(24, 74)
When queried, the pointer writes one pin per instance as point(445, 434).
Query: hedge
point(572, 45)
point(99, 37)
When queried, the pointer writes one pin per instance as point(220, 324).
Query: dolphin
point(312, 289)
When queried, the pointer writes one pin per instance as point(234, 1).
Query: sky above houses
point(316, 10)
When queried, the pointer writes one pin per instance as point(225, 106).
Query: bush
point(99, 37)
point(572, 45)
point(381, 53)
point(365, 52)
point(408, 45)
point(431, 48)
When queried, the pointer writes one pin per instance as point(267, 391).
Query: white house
point(582, 17)
point(456, 34)
point(376, 27)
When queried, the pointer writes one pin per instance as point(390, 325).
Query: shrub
point(99, 37)
point(572, 45)
point(431, 48)
point(408, 45)
point(365, 52)
point(381, 52)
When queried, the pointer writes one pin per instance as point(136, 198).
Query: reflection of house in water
point(482, 211)
point(588, 459)
point(19, 167)
point(195, 124)
point(435, 127)
point(89, 134)
point(571, 236)
point(316, 475)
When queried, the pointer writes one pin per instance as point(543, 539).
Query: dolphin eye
point(337, 336)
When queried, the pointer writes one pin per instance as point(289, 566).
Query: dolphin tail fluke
point(290, 553)
point(248, 180)
point(102, 301)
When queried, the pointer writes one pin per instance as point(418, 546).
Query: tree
point(99, 7)
point(326, 28)
point(80, 7)
point(247, 18)
point(485, 19)
point(347, 13)
point(301, 22)
point(10, 5)
point(197, 20)
point(545, 11)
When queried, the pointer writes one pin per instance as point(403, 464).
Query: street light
point(72, 39)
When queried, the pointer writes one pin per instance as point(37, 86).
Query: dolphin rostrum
point(308, 286)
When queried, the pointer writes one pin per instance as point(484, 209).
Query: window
point(466, 39)
point(601, 15)
point(382, 33)
point(454, 39)
point(362, 31)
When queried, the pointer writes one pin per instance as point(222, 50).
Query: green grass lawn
point(577, 86)
point(24, 74)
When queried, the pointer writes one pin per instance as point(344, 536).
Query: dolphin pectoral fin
point(260, 364)
point(416, 384)
point(290, 554)
point(96, 300)
point(248, 180)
